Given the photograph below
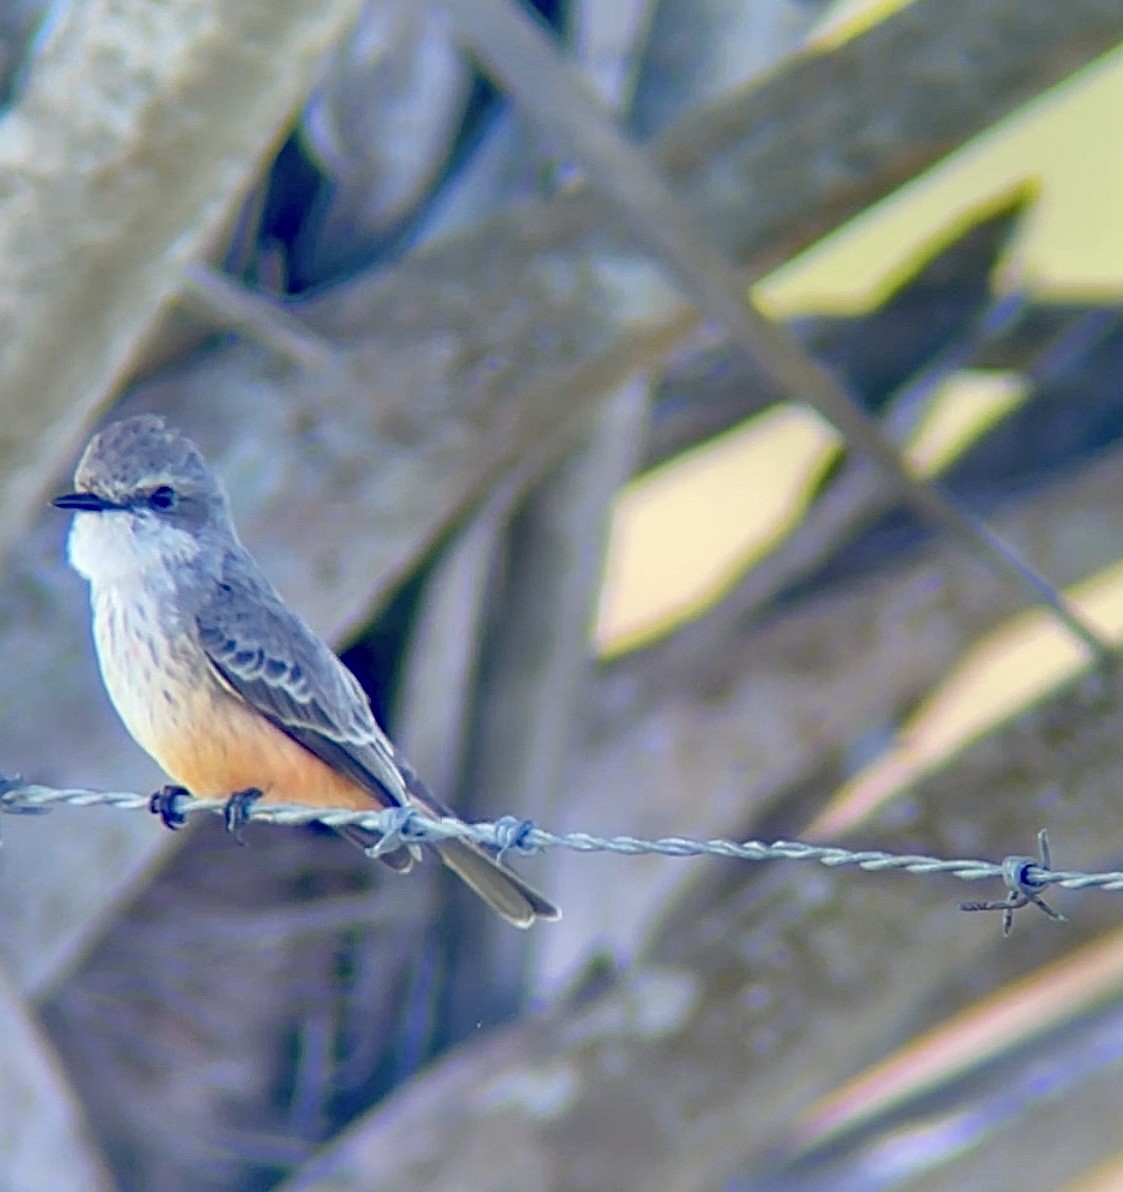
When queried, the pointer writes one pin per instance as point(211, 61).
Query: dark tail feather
point(501, 888)
point(401, 860)
point(477, 865)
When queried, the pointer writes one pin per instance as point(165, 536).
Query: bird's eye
point(163, 497)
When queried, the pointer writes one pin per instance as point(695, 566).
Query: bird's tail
point(477, 865)
point(501, 888)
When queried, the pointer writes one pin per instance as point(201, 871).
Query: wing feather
point(265, 654)
point(270, 658)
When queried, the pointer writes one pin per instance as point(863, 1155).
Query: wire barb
point(1025, 878)
point(10, 790)
point(514, 835)
point(399, 832)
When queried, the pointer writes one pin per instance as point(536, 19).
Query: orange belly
point(237, 750)
point(206, 737)
point(217, 745)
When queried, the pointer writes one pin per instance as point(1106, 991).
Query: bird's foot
point(236, 813)
point(166, 803)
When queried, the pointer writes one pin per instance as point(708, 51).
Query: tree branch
point(140, 124)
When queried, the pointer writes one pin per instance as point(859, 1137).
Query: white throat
point(119, 546)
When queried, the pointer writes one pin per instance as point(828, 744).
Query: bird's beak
point(83, 502)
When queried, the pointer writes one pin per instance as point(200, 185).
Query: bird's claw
point(236, 813)
point(166, 803)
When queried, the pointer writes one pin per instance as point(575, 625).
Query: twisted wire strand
point(1025, 877)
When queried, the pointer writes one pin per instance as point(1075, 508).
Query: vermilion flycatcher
point(223, 684)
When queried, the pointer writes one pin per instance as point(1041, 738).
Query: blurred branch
point(535, 668)
point(43, 1143)
point(139, 125)
point(868, 115)
point(222, 983)
point(943, 294)
point(745, 725)
point(265, 322)
point(1060, 1130)
point(533, 642)
point(435, 694)
point(859, 494)
point(517, 52)
point(699, 50)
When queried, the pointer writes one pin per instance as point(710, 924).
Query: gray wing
point(267, 655)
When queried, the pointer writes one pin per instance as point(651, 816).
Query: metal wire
point(1025, 877)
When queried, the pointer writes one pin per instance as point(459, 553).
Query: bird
point(217, 679)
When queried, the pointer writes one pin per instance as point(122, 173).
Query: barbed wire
point(1025, 877)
